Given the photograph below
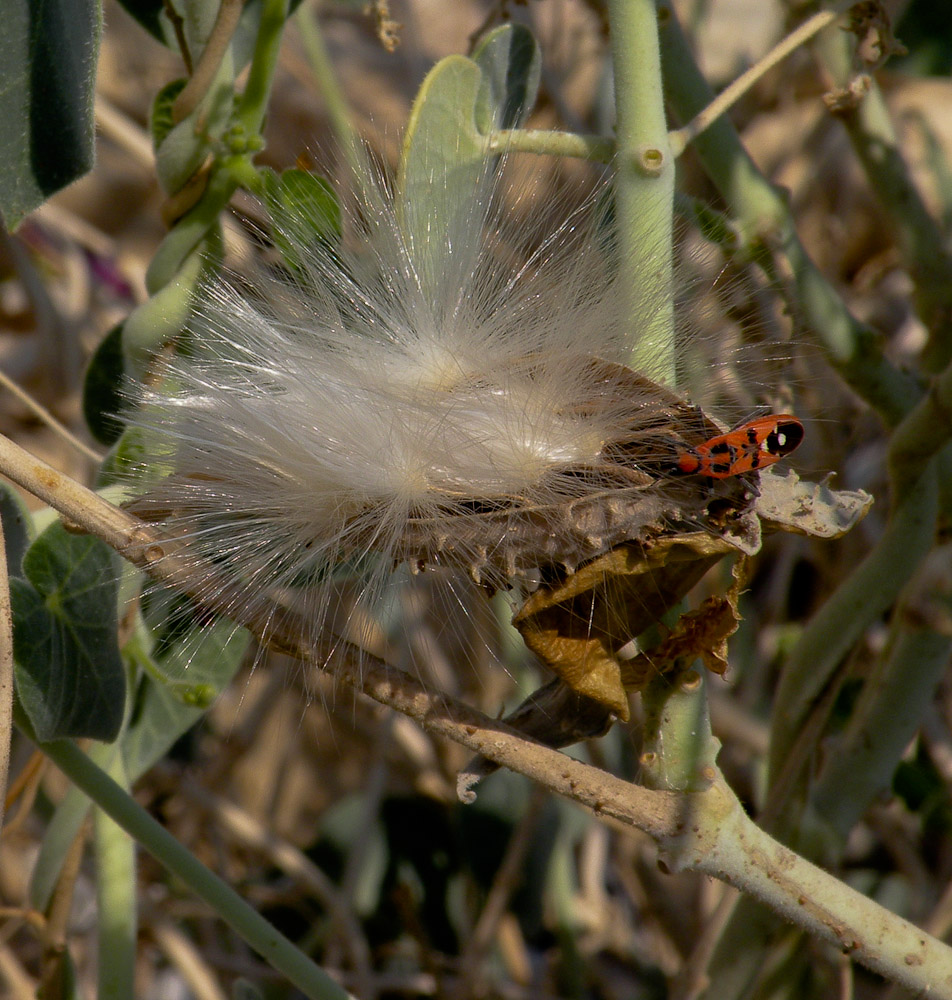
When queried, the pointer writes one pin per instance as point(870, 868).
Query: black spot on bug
point(784, 438)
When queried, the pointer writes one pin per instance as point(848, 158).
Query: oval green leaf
point(69, 674)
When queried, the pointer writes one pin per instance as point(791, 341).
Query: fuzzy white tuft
point(467, 410)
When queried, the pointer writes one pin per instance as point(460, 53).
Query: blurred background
point(337, 819)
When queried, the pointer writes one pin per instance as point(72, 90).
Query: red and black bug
point(752, 446)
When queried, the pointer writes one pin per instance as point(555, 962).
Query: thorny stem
point(706, 831)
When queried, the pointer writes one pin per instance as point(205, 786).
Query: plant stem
point(116, 898)
point(547, 142)
point(211, 58)
point(765, 222)
point(889, 711)
point(253, 928)
point(6, 674)
point(644, 186)
point(871, 134)
point(342, 120)
point(860, 599)
point(254, 100)
point(679, 752)
point(730, 95)
point(691, 827)
point(722, 841)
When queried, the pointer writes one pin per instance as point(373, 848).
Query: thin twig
point(14, 976)
point(6, 673)
point(124, 132)
point(731, 94)
point(44, 415)
point(23, 789)
point(505, 883)
point(218, 41)
point(248, 832)
point(706, 831)
point(281, 629)
point(187, 958)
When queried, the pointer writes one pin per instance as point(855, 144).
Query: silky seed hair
point(462, 410)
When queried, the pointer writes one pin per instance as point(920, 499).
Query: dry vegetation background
point(339, 820)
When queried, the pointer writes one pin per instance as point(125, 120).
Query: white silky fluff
point(311, 424)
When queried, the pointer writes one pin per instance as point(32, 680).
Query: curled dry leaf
point(578, 626)
point(788, 503)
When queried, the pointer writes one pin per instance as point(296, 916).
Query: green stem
point(547, 142)
point(192, 228)
point(644, 187)
point(116, 897)
point(254, 100)
point(926, 429)
point(312, 38)
point(886, 717)
point(679, 751)
point(851, 347)
point(859, 600)
point(245, 921)
point(923, 245)
point(162, 317)
point(230, 171)
point(721, 840)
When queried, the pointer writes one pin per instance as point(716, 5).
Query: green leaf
point(161, 121)
point(444, 159)
point(17, 527)
point(48, 55)
point(304, 211)
point(149, 13)
point(445, 154)
point(69, 674)
point(152, 15)
point(103, 398)
point(511, 64)
point(163, 317)
point(193, 658)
